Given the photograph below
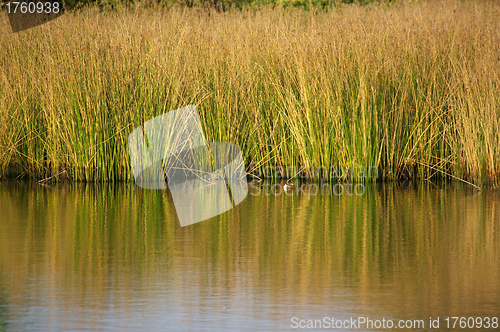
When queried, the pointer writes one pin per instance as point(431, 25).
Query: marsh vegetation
point(413, 89)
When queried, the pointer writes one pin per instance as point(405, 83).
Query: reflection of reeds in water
point(408, 251)
point(411, 89)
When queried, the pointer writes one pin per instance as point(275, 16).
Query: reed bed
point(412, 89)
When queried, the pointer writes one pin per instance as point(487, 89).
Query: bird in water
point(289, 186)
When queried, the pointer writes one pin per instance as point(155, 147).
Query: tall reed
point(413, 89)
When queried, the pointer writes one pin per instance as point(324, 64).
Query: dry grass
point(411, 88)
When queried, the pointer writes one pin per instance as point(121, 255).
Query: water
point(114, 258)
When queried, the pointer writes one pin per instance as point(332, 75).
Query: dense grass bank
point(413, 89)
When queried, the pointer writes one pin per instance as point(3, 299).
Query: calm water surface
point(114, 258)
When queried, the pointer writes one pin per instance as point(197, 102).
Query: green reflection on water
point(409, 252)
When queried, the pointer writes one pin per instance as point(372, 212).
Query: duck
point(289, 186)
